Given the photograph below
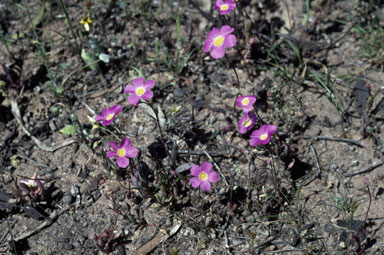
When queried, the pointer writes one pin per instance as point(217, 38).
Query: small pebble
point(237, 242)
point(355, 163)
point(333, 167)
point(67, 198)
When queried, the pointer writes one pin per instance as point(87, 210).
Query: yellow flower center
point(218, 41)
point(245, 101)
point(247, 122)
point(264, 136)
point(224, 7)
point(140, 91)
point(203, 176)
point(110, 116)
point(121, 152)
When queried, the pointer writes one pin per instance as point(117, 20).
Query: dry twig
point(52, 217)
point(336, 139)
point(363, 171)
point(16, 112)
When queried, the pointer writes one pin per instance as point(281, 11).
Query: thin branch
point(363, 171)
point(336, 139)
point(52, 218)
point(16, 112)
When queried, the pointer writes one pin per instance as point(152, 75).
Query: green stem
point(70, 26)
point(41, 47)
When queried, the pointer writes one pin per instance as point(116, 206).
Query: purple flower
point(246, 102)
point(262, 135)
point(139, 90)
point(225, 7)
point(125, 150)
point(219, 39)
point(246, 122)
point(203, 176)
point(108, 114)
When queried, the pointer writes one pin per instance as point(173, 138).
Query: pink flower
point(139, 90)
point(246, 122)
point(262, 135)
point(32, 186)
point(219, 39)
point(108, 114)
point(246, 102)
point(203, 176)
point(225, 7)
point(123, 152)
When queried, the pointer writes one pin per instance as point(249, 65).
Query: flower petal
point(149, 84)
point(248, 108)
point(266, 140)
point(205, 185)
point(108, 122)
point(113, 145)
point(125, 143)
point(271, 129)
point(254, 141)
point(138, 82)
point(105, 112)
point(116, 109)
point(195, 170)
point(147, 95)
point(129, 89)
point(231, 5)
point(131, 152)
point(242, 129)
point(229, 41)
point(226, 30)
point(122, 162)
point(213, 33)
point(195, 182)
point(252, 99)
point(133, 99)
point(213, 176)
point(218, 4)
point(208, 45)
point(99, 118)
point(218, 52)
point(239, 102)
point(263, 129)
point(206, 166)
point(111, 154)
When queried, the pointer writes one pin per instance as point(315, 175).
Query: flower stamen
point(110, 116)
point(203, 176)
point(245, 101)
point(140, 91)
point(218, 41)
point(121, 152)
point(264, 136)
point(224, 7)
point(247, 122)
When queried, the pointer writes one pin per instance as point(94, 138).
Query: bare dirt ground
point(314, 66)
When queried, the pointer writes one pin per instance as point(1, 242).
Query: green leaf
point(90, 60)
point(68, 130)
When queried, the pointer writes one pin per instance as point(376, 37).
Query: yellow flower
point(86, 21)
